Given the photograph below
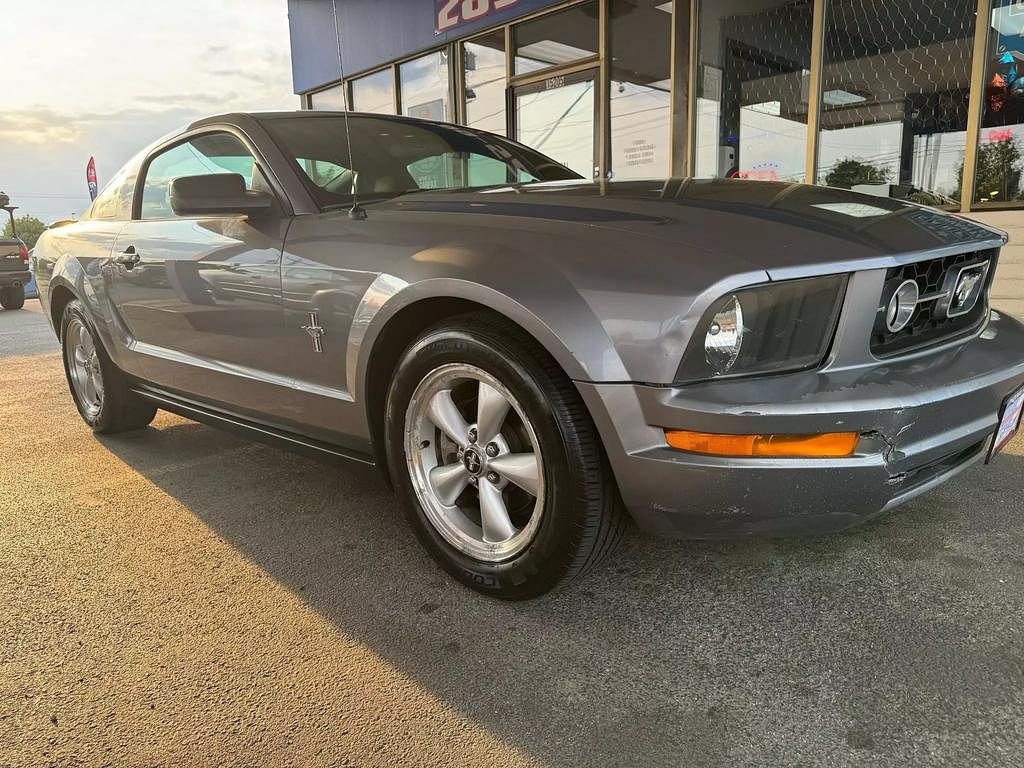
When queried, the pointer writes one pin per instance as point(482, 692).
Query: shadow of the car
point(673, 649)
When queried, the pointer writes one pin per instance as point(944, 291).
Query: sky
point(104, 78)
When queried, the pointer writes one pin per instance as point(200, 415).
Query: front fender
point(565, 326)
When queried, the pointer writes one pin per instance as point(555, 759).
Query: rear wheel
point(12, 298)
point(99, 389)
point(498, 463)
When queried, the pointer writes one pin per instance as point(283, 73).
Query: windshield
point(393, 156)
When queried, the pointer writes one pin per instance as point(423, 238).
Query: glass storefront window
point(426, 92)
point(558, 38)
point(559, 119)
point(754, 58)
point(997, 177)
point(483, 62)
point(329, 98)
point(641, 44)
point(895, 96)
point(374, 93)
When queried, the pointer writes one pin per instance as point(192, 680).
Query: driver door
point(201, 296)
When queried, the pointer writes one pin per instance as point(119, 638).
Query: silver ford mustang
point(527, 354)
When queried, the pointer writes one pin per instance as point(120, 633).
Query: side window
point(115, 201)
point(210, 153)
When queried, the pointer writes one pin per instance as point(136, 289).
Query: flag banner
point(90, 176)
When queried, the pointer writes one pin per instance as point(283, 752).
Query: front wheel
point(499, 465)
point(12, 298)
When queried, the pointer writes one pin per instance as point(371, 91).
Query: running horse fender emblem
point(315, 331)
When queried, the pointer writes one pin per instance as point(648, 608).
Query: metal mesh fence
point(752, 108)
point(895, 92)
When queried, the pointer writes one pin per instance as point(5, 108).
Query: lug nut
point(492, 449)
point(493, 477)
point(472, 481)
point(472, 434)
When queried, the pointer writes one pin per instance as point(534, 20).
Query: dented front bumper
point(922, 420)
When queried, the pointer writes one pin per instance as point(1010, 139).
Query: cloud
point(204, 100)
point(45, 126)
point(40, 126)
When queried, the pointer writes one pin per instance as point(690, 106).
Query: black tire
point(582, 517)
point(12, 298)
point(121, 410)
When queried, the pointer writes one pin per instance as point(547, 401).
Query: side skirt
point(262, 433)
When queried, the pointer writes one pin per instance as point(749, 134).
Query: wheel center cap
point(473, 461)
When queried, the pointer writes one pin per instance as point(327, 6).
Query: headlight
point(724, 338)
point(772, 328)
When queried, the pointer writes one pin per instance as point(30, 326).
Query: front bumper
point(921, 420)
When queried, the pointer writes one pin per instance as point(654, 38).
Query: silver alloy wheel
point(466, 475)
point(84, 367)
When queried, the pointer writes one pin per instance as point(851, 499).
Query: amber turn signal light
point(831, 445)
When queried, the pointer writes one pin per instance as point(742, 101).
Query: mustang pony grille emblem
point(962, 289)
point(315, 331)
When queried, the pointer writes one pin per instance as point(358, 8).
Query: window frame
point(276, 188)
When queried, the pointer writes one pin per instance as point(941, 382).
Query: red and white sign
point(90, 178)
point(450, 14)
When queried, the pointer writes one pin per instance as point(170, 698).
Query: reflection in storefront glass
point(559, 122)
point(895, 96)
point(483, 61)
point(754, 59)
point(558, 38)
point(329, 98)
point(374, 93)
point(640, 88)
point(997, 178)
point(425, 90)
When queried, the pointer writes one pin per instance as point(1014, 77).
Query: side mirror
point(216, 194)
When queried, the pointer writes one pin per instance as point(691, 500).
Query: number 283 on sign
point(452, 13)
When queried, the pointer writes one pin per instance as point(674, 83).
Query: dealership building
point(918, 99)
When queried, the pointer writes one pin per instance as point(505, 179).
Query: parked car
point(31, 289)
point(528, 354)
point(14, 272)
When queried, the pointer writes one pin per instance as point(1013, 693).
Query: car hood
point(784, 229)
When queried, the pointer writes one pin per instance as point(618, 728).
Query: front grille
point(925, 327)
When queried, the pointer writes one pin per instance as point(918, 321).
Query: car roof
point(242, 117)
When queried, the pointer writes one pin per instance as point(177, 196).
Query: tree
point(29, 229)
point(998, 169)
point(849, 171)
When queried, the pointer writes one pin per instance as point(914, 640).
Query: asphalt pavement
point(180, 597)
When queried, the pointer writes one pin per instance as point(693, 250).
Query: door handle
point(129, 257)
